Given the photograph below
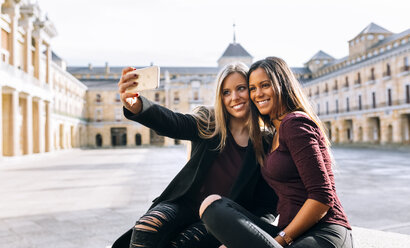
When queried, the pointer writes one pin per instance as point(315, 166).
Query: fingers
point(126, 70)
point(128, 95)
point(124, 86)
point(127, 76)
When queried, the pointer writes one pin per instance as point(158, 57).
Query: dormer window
point(370, 37)
point(380, 37)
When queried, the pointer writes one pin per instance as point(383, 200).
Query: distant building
point(42, 106)
point(365, 96)
point(181, 89)
point(46, 106)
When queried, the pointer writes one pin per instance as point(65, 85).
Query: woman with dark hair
point(298, 167)
point(222, 162)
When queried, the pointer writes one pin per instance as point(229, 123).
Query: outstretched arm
point(162, 120)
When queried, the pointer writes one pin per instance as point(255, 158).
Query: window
point(117, 97)
point(326, 88)
point(405, 64)
point(335, 87)
point(98, 115)
point(347, 82)
point(337, 106)
point(118, 114)
point(360, 102)
point(196, 95)
point(317, 91)
point(347, 105)
point(372, 77)
point(387, 73)
point(374, 99)
point(389, 100)
point(98, 98)
point(157, 97)
point(310, 92)
point(407, 93)
point(176, 96)
point(327, 108)
point(359, 79)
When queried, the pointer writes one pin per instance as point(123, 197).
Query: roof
point(374, 29)
point(321, 55)
point(100, 70)
point(55, 57)
point(392, 38)
point(235, 50)
point(300, 70)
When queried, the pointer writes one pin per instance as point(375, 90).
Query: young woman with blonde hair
point(298, 167)
point(222, 162)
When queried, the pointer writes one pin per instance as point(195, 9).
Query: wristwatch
point(285, 237)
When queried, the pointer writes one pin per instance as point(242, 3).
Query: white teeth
point(238, 106)
point(263, 102)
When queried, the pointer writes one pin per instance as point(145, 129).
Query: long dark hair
point(289, 98)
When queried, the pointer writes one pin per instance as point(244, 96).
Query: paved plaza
point(87, 198)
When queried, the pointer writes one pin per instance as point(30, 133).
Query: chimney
point(107, 68)
point(90, 67)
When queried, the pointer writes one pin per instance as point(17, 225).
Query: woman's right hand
point(130, 101)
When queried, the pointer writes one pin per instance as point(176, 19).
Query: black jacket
point(249, 184)
point(249, 190)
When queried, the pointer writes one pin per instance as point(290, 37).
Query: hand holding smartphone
point(148, 79)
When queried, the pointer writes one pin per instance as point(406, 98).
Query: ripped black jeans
point(171, 225)
point(235, 227)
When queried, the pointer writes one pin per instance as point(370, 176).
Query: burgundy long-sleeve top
point(300, 169)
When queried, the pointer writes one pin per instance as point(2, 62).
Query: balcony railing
point(25, 77)
point(386, 74)
point(405, 68)
point(367, 107)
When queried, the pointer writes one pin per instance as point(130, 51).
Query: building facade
point(365, 96)
point(181, 89)
point(42, 106)
point(46, 106)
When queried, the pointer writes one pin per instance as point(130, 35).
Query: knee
point(210, 199)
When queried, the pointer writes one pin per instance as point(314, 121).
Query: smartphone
point(148, 79)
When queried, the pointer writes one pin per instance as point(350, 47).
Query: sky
point(197, 32)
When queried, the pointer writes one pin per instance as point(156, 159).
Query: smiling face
point(235, 96)
point(261, 92)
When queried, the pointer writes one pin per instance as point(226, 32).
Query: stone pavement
point(87, 198)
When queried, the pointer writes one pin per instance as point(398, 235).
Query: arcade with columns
point(30, 80)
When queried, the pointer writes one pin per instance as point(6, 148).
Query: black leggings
point(168, 225)
point(235, 227)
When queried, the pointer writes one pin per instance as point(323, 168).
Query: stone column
point(41, 125)
point(27, 24)
point(367, 130)
point(15, 132)
point(14, 13)
point(48, 66)
point(384, 133)
point(397, 130)
point(29, 125)
point(49, 128)
point(1, 113)
point(37, 54)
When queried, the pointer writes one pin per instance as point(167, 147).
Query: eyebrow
point(260, 82)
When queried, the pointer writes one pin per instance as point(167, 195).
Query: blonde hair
point(214, 121)
point(288, 93)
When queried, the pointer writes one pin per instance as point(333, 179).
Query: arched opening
point(138, 139)
point(98, 140)
point(118, 136)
